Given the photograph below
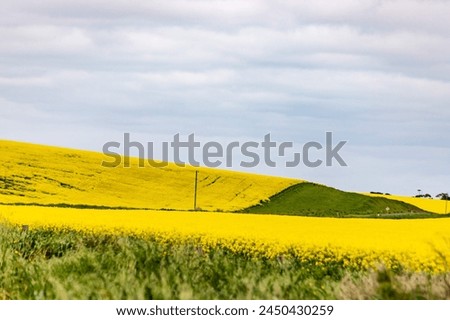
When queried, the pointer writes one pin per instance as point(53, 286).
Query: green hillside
point(317, 200)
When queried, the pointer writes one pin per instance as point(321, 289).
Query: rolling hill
point(312, 199)
point(36, 174)
point(52, 176)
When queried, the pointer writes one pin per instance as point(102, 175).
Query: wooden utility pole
point(446, 202)
point(195, 190)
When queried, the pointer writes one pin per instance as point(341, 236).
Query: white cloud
point(43, 39)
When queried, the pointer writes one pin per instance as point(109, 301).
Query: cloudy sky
point(374, 72)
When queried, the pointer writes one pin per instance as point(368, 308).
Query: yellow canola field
point(355, 243)
point(48, 175)
point(430, 205)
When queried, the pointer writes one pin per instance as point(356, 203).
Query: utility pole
point(195, 190)
point(446, 202)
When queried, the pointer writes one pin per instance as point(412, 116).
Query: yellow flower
point(353, 243)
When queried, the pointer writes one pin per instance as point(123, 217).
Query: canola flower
point(361, 244)
point(48, 175)
point(430, 205)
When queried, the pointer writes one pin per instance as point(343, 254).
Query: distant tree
point(443, 196)
point(420, 195)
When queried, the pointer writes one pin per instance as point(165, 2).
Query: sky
point(375, 73)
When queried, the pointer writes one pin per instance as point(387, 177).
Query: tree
point(443, 196)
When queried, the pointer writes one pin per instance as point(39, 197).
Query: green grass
point(51, 264)
point(311, 199)
point(45, 264)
